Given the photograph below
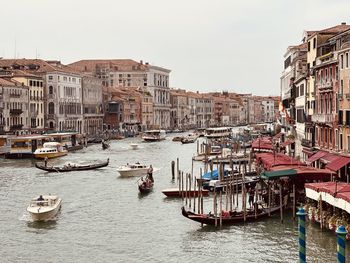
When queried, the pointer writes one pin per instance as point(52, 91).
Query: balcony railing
point(16, 127)
point(12, 95)
point(325, 85)
point(306, 143)
point(51, 96)
point(16, 111)
point(322, 118)
point(51, 116)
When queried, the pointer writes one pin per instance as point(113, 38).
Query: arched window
point(51, 125)
point(51, 108)
point(50, 90)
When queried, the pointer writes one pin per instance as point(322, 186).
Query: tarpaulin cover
point(338, 163)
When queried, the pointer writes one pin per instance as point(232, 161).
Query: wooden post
point(281, 202)
point(220, 208)
point(346, 172)
point(215, 209)
point(177, 169)
point(256, 202)
point(194, 195)
point(173, 170)
point(189, 189)
point(197, 147)
point(182, 186)
point(294, 202)
point(269, 196)
point(245, 198)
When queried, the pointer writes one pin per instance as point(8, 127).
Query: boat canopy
point(269, 160)
point(302, 172)
point(51, 144)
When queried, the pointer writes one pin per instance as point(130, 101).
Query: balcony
point(51, 116)
point(13, 95)
point(325, 85)
point(306, 143)
point(16, 111)
point(322, 118)
point(16, 127)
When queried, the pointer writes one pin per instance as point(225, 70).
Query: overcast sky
point(209, 45)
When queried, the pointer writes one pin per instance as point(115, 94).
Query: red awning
point(329, 158)
point(316, 156)
point(308, 152)
point(338, 163)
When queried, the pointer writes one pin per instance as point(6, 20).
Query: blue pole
point(341, 233)
point(302, 237)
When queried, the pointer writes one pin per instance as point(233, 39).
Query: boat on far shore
point(154, 135)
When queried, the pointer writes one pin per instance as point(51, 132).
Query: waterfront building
point(92, 105)
point(147, 109)
point(112, 109)
point(342, 102)
point(36, 97)
point(204, 110)
point(180, 111)
point(15, 101)
point(268, 108)
point(192, 118)
point(129, 73)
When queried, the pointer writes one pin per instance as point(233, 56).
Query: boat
point(134, 146)
point(190, 138)
point(177, 138)
point(215, 150)
point(229, 217)
point(24, 146)
point(71, 167)
point(50, 150)
point(69, 140)
point(154, 135)
point(44, 207)
point(105, 145)
point(175, 192)
point(219, 132)
point(145, 185)
point(130, 170)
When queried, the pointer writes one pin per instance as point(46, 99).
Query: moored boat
point(175, 192)
point(50, 150)
point(130, 170)
point(105, 145)
point(44, 207)
point(71, 167)
point(229, 217)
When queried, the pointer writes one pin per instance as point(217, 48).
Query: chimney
point(141, 62)
point(343, 23)
point(146, 63)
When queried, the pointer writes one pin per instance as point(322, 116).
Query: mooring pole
point(341, 233)
point(302, 236)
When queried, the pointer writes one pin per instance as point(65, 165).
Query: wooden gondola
point(69, 167)
point(145, 186)
point(229, 218)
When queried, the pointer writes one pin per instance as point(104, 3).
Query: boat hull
point(235, 218)
point(49, 155)
point(72, 168)
point(47, 215)
point(178, 193)
point(133, 173)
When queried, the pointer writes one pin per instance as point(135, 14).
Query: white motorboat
point(44, 207)
point(131, 170)
point(154, 135)
point(219, 132)
point(134, 146)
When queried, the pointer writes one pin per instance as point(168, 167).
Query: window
point(308, 46)
point(51, 108)
point(340, 117)
point(314, 43)
point(341, 87)
point(347, 59)
point(331, 73)
point(50, 90)
point(347, 118)
point(341, 61)
point(50, 77)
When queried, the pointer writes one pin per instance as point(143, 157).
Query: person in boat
point(150, 173)
point(45, 161)
point(251, 197)
point(40, 200)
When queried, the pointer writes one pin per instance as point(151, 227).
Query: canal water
point(104, 219)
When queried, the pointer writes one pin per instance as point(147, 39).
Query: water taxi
point(44, 207)
point(131, 170)
point(219, 132)
point(69, 140)
point(154, 135)
point(50, 150)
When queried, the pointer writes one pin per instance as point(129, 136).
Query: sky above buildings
point(234, 45)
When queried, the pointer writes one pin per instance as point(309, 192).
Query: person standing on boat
point(251, 197)
point(150, 173)
point(45, 160)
